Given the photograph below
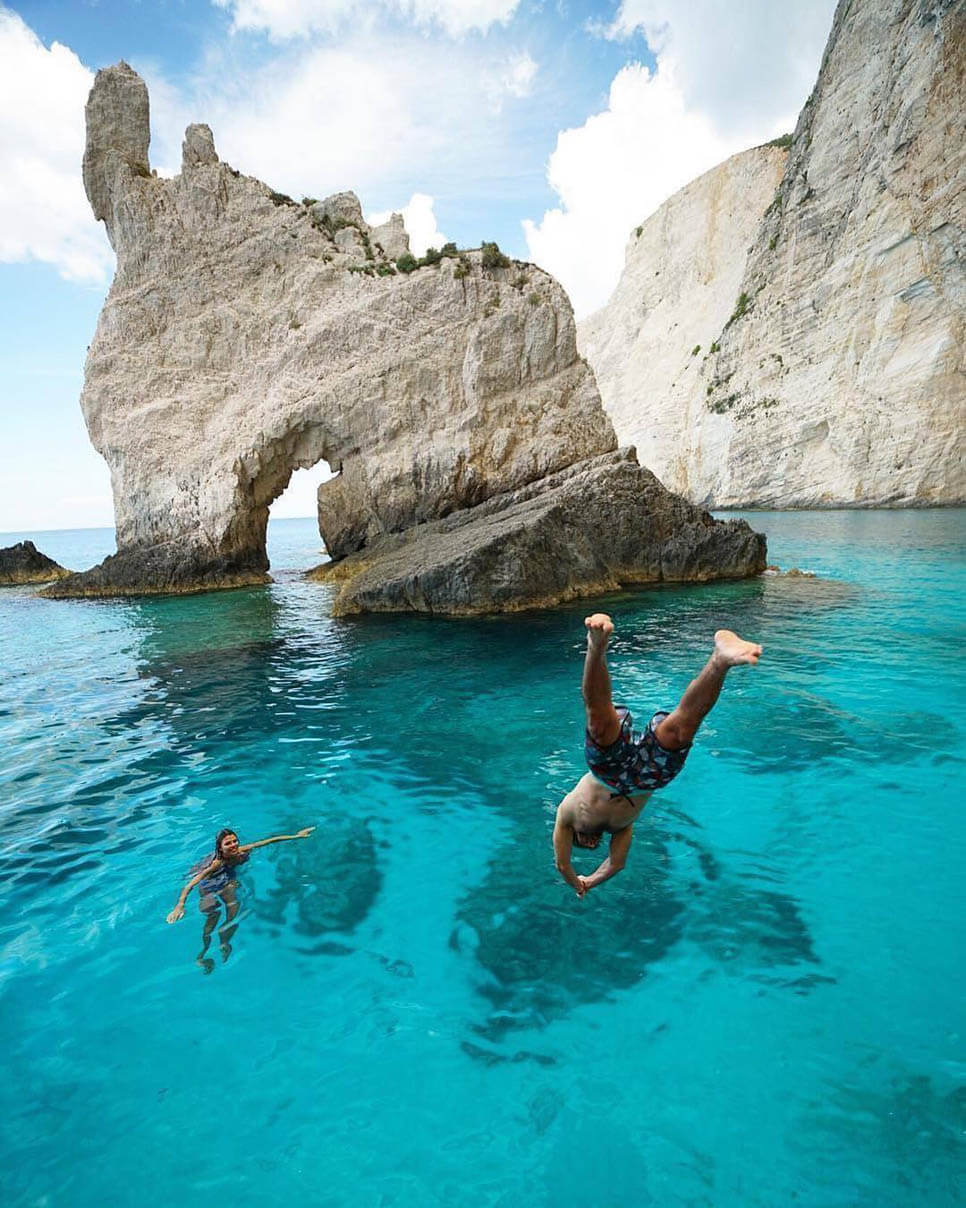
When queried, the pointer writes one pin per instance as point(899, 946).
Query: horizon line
point(100, 528)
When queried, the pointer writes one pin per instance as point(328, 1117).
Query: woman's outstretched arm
point(178, 912)
point(302, 834)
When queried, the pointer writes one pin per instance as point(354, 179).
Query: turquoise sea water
point(765, 1007)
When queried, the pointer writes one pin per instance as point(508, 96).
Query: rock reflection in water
point(543, 958)
point(331, 883)
point(906, 1125)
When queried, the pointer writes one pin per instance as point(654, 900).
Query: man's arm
point(563, 842)
point(620, 844)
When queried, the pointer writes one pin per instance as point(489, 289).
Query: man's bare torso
point(591, 808)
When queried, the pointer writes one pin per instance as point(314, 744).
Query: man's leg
point(602, 720)
point(679, 728)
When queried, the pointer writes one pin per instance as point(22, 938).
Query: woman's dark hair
point(225, 830)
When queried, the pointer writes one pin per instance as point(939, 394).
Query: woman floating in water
point(215, 878)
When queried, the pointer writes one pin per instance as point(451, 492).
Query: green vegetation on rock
point(742, 306)
point(492, 257)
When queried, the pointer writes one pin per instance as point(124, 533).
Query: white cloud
point(521, 71)
point(320, 120)
point(613, 171)
point(297, 18)
point(316, 119)
point(512, 78)
point(420, 223)
point(44, 214)
point(726, 79)
point(735, 62)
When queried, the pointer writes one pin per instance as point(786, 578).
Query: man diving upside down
point(626, 768)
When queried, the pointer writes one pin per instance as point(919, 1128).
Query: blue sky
point(553, 128)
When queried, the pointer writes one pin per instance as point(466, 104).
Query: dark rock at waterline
point(172, 568)
point(601, 524)
point(24, 563)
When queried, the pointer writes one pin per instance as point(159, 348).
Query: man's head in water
point(226, 844)
point(587, 839)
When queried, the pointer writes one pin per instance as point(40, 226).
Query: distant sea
point(764, 1008)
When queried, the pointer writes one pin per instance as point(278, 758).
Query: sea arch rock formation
point(246, 335)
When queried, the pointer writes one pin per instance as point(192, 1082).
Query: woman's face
point(229, 845)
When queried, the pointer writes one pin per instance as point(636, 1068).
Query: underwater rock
point(246, 335)
point(24, 563)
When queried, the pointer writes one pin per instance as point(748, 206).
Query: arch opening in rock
point(298, 502)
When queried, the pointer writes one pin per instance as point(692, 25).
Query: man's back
point(590, 808)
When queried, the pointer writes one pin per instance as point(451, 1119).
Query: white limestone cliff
point(829, 314)
point(650, 345)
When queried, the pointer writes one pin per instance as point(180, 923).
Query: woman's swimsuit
point(221, 878)
point(634, 763)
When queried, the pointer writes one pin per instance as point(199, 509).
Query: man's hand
point(177, 913)
point(582, 886)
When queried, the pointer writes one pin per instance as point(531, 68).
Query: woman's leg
point(230, 898)
point(211, 908)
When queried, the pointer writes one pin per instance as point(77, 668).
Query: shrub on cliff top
point(407, 263)
point(492, 256)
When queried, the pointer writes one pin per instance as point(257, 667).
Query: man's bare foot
point(733, 650)
point(599, 629)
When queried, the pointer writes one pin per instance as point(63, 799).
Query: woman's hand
point(304, 832)
point(177, 913)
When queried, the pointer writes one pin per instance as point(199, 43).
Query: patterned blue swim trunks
point(634, 763)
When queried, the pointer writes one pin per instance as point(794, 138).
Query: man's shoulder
point(565, 810)
point(575, 800)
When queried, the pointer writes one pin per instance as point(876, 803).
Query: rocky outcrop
point(596, 526)
point(830, 313)
point(391, 237)
point(246, 335)
point(24, 563)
